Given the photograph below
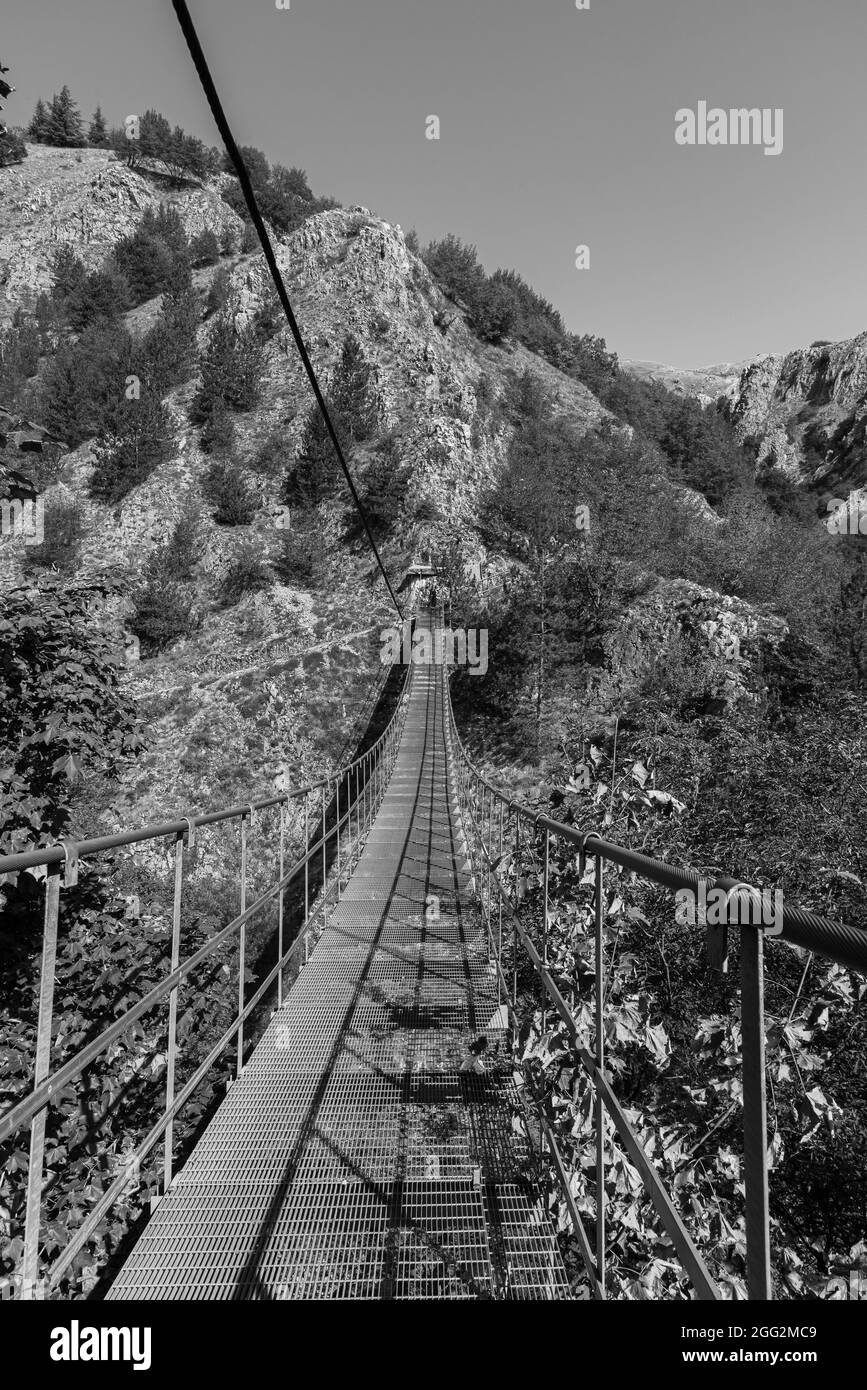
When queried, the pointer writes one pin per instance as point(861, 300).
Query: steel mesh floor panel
point(371, 1147)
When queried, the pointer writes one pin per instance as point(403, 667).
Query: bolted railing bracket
point(70, 862)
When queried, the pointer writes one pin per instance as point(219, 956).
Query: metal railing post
point(500, 922)
point(242, 944)
point(517, 909)
point(755, 1113)
point(337, 832)
point(545, 929)
point(306, 876)
point(284, 807)
point(600, 1063)
point(171, 1054)
point(324, 864)
point(33, 1217)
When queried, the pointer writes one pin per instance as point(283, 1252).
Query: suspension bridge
point(380, 1139)
point(363, 1152)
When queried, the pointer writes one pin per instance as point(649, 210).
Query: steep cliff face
point(806, 411)
point(278, 677)
point(85, 199)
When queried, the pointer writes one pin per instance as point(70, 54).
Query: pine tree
point(169, 348)
point(204, 248)
point(64, 120)
point(69, 273)
point(127, 458)
point(383, 494)
point(104, 294)
point(227, 489)
point(12, 147)
point(352, 394)
point(218, 430)
point(38, 127)
point(97, 133)
point(232, 365)
point(65, 408)
point(313, 476)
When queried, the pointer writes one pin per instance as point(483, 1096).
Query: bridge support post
point(500, 921)
point(755, 1113)
point(172, 1048)
point(33, 1210)
point(242, 945)
point(545, 927)
point(281, 856)
point(306, 872)
point(600, 1065)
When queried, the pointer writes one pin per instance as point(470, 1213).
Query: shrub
point(69, 272)
point(164, 599)
point(218, 431)
point(12, 148)
point(204, 248)
point(218, 291)
point(127, 458)
point(456, 267)
point(383, 492)
point(163, 612)
point(155, 257)
point(184, 548)
point(495, 311)
point(65, 529)
point(227, 490)
point(168, 151)
point(169, 347)
point(83, 389)
point(299, 561)
point(269, 316)
point(104, 294)
point(270, 459)
point(352, 393)
point(53, 724)
point(248, 573)
point(146, 262)
point(314, 474)
point(232, 365)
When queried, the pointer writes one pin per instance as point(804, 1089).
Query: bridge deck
point(364, 1153)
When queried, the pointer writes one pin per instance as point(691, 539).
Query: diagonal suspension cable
point(210, 90)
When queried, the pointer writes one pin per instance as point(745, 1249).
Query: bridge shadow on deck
point(368, 1150)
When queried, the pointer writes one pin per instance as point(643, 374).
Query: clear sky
point(557, 128)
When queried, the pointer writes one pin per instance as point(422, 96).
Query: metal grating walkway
point(361, 1154)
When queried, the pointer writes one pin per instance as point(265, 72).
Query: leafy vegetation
point(142, 440)
point(314, 476)
point(62, 713)
point(230, 494)
point(65, 529)
point(248, 573)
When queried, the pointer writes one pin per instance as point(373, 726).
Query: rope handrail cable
point(185, 20)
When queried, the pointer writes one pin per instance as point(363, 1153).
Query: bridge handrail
point(57, 854)
point(368, 772)
point(836, 941)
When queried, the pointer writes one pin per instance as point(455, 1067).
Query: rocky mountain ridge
point(277, 677)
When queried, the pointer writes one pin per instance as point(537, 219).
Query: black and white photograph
point(433, 677)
